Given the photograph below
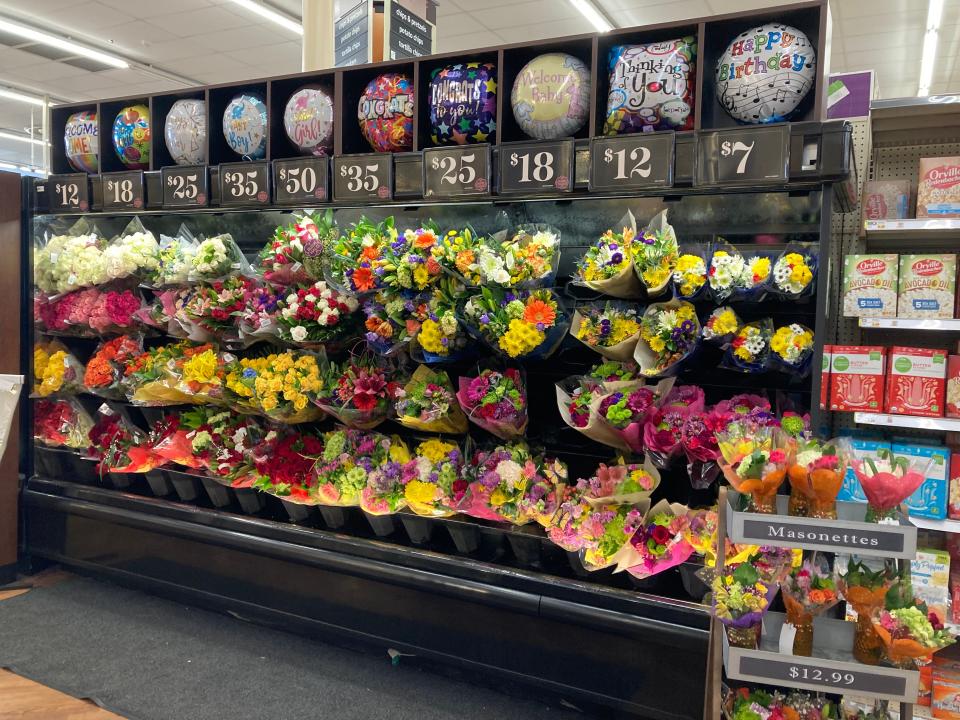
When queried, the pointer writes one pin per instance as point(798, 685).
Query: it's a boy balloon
point(81, 142)
point(385, 113)
point(131, 137)
point(245, 126)
point(463, 104)
point(551, 96)
point(765, 73)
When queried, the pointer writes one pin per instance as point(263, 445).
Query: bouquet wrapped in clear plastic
point(428, 403)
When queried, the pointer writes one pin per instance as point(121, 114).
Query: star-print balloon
point(385, 112)
point(463, 104)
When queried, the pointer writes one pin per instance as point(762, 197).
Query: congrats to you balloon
point(765, 73)
point(385, 112)
point(245, 126)
point(185, 131)
point(81, 141)
point(551, 96)
point(131, 137)
point(308, 121)
point(463, 104)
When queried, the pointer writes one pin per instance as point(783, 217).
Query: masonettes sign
point(408, 34)
point(351, 34)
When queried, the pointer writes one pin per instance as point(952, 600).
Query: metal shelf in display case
point(908, 421)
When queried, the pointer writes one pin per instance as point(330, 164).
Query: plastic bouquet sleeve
point(888, 480)
point(749, 351)
point(622, 351)
point(721, 325)
point(174, 259)
point(104, 372)
point(133, 253)
point(595, 429)
point(433, 421)
point(503, 416)
point(794, 273)
point(690, 272)
point(55, 371)
point(655, 254)
point(673, 349)
point(119, 446)
point(661, 542)
point(609, 529)
point(792, 349)
point(616, 486)
point(617, 255)
point(61, 422)
point(663, 433)
point(499, 479)
point(217, 258)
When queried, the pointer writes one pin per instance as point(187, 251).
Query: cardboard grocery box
point(886, 199)
point(938, 187)
point(870, 285)
point(927, 286)
point(953, 503)
point(952, 403)
point(916, 381)
point(857, 378)
point(825, 376)
point(861, 449)
point(930, 499)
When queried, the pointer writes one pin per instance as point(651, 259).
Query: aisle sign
point(408, 34)
point(456, 171)
point(122, 190)
point(351, 33)
point(365, 177)
point(184, 186)
point(751, 156)
point(301, 180)
point(68, 193)
point(244, 184)
point(631, 162)
point(534, 167)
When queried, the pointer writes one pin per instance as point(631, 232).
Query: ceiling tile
point(162, 52)
point(136, 34)
point(557, 28)
point(90, 18)
point(203, 65)
point(478, 39)
point(650, 14)
point(37, 7)
point(531, 13)
point(458, 24)
point(11, 59)
point(244, 38)
point(50, 71)
point(288, 53)
point(201, 22)
point(145, 9)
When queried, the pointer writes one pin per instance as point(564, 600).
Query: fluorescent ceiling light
point(73, 48)
point(20, 97)
point(8, 166)
point(594, 16)
point(934, 12)
point(22, 138)
point(271, 15)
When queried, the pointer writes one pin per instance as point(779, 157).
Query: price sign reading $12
point(631, 162)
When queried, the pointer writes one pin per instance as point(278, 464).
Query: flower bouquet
point(55, 370)
point(285, 465)
point(607, 266)
point(545, 493)
point(755, 461)
point(119, 446)
point(214, 307)
point(145, 377)
point(698, 440)
point(216, 258)
point(528, 259)
point(909, 632)
point(807, 592)
point(384, 492)
point(722, 325)
point(392, 319)
point(749, 351)
point(794, 272)
point(521, 325)
point(496, 401)
point(865, 590)
point(357, 393)
point(740, 598)
point(734, 278)
point(292, 255)
point(174, 259)
point(198, 374)
point(212, 439)
point(817, 474)
point(612, 373)
point(105, 369)
point(887, 481)
point(746, 407)
point(356, 260)
point(655, 253)
point(660, 542)
point(440, 337)
point(88, 311)
point(578, 399)
point(258, 317)
point(349, 456)
point(410, 263)
point(165, 313)
point(604, 532)
point(498, 481)
point(313, 315)
point(458, 252)
point(61, 423)
point(662, 433)
point(432, 479)
point(428, 403)
point(626, 411)
point(620, 484)
point(669, 334)
point(611, 329)
point(70, 261)
point(792, 347)
point(280, 386)
point(690, 273)
point(133, 253)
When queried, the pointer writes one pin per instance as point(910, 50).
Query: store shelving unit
point(910, 324)
point(910, 422)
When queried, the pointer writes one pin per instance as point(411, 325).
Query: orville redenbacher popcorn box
point(953, 503)
point(870, 286)
point(930, 499)
point(857, 378)
point(917, 380)
point(861, 450)
point(927, 286)
point(938, 187)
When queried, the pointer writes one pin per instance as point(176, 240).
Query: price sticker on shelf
point(821, 675)
point(631, 162)
point(122, 190)
point(743, 156)
point(536, 167)
point(184, 186)
point(301, 181)
point(359, 178)
point(68, 193)
point(244, 184)
point(456, 171)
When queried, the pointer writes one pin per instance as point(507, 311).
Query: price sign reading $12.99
point(184, 186)
point(631, 162)
point(536, 167)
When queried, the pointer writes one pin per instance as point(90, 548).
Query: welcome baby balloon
point(551, 96)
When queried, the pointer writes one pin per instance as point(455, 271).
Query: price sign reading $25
point(363, 177)
point(535, 167)
point(631, 162)
point(456, 171)
point(184, 186)
point(68, 193)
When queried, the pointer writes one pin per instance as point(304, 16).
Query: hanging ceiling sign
point(352, 33)
point(407, 33)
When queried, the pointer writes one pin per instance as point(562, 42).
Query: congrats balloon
point(765, 73)
point(185, 131)
point(81, 141)
point(245, 126)
point(551, 96)
point(463, 104)
point(308, 120)
point(651, 87)
point(385, 113)
point(131, 137)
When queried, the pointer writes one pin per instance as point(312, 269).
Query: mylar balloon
point(185, 131)
point(245, 126)
point(765, 73)
point(551, 96)
point(385, 112)
point(131, 137)
point(308, 120)
point(463, 103)
point(651, 87)
point(81, 141)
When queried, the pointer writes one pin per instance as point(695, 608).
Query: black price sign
point(456, 171)
point(631, 162)
point(363, 177)
point(300, 180)
point(743, 156)
point(184, 186)
point(122, 191)
point(244, 183)
point(69, 193)
point(819, 676)
point(533, 167)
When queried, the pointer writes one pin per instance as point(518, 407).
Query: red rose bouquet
point(61, 423)
point(314, 314)
point(119, 446)
point(285, 465)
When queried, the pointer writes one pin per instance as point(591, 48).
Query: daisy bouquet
point(527, 259)
point(792, 347)
point(285, 465)
point(458, 252)
point(740, 599)
point(655, 253)
point(660, 542)
point(755, 462)
point(281, 386)
point(292, 255)
point(349, 456)
point(392, 319)
point(735, 276)
point(865, 589)
point(545, 493)
point(174, 259)
point(690, 272)
point(134, 253)
point(794, 272)
point(61, 423)
point(433, 478)
point(384, 492)
point(498, 481)
point(214, 307)
point(808, 591)
point(440, 337)
point(216, 258)
point(105, 368)
point(357, 392)
point(314, 314)
point(55, 371)
point(526, 324)
point(721, 326)
point(410, 263)
point(817, 474)
point(70, 261)
point(611, 329)
point(749, 351)
point(496, 400)
point(119, 446)
point(428, 403)
point(607, 266)
point(358, 259)
point(626, 410)
point(888, 480)
point(669, 334)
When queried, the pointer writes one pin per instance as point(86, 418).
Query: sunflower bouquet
point(433, 478)
point(794, 272)
point(410, 263)
point(428, 403)
point(749, 351)
point(669, 335)
point(611, 329)
point(690, 272)
point(655, 253)
point(792, 347)
point(527, 259)
point(280, 386)
point(607, 266)
point(55, 371)
point(722, 324)
point(526, 324)
point(357, 260)
point(357, 392)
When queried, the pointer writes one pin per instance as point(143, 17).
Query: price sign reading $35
point(536, 167)
point(184, 186)
point(245, 183)
point(363, 177)
point(456, 171)
point(631, 162)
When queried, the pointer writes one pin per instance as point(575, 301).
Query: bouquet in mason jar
point(910, 632)
point(740, 599)
point(888, 480)
point(520, 325)
point(755, 461)
point(496, 401)
point(817, 474)
point(865, 589)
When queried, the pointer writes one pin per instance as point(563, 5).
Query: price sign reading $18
point(363, 177)
point(122, 191)
point(631, 162)
point(536, 167)
point(456, 171)
point(244, 183)
point(68, 193)
point(184, 186)
point(300, 180)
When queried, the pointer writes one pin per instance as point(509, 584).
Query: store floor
point(150, 659)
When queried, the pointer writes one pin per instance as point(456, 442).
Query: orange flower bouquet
point(105, 369)
point(808, 591)
point(521, 324)
point(865, 590)
point(755, 462)
point(910, 632)
point(817, 475)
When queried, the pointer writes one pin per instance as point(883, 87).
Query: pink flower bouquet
point(499, 480)
point(546, 492)
point(888, 481)
point(660, 542)
point(496, 401)
point(626, 410)
point(699, 442)
point(622, 484)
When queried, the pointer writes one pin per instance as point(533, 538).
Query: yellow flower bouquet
point(607, 265)
point(690, 272)
point(795, 271)
point(55, 370)
point(655, 254)
point(611, 329)
point(792, 347)
point(521, 324)
point(669, 335)
point(281, 386)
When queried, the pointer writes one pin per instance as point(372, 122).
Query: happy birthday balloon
point(308, 120)
point(185, 131)
point(551, 96)
point(131, 137)
point(463, 104)
point(385, 112)
point(765, 73)
point(245, 126)
point(651, 87)
point(81, 141)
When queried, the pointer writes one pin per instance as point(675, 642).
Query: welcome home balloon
point(81, 141)
point(245, 126)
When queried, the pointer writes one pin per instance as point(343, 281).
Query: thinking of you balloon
point(185, 132)
point(81, 141)
point(245, 126)
point(463, 104)
point(551, 96)
point(131, 137)
point(765, 73)
point(308, 121)
point(385, 112)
